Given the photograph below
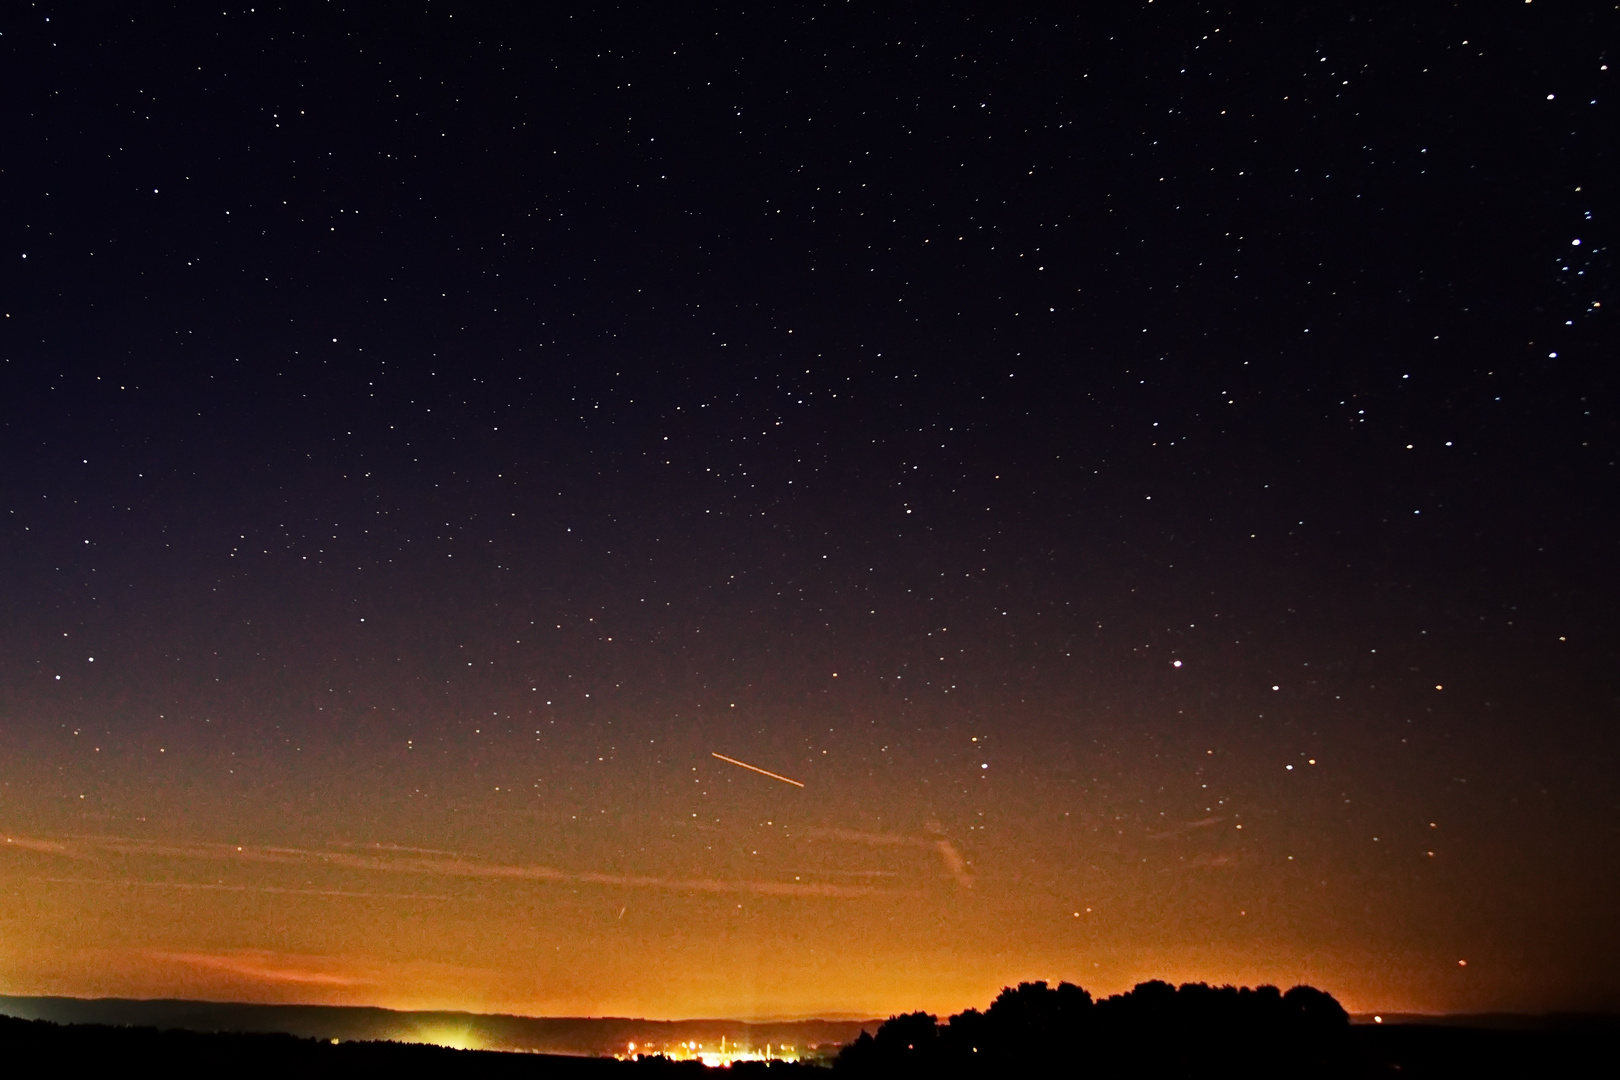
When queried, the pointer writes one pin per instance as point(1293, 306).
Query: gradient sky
point(1149, 473)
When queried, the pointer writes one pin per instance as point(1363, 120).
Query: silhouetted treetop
point(1154, 1029)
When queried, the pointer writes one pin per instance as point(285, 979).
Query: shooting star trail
point(756, 768)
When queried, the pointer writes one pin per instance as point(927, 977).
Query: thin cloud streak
point(215, 886)
point(260, 966)
point(453, 867)
point(48, 847)
point(1180, 830)
point(955, 865)
point(855, 836)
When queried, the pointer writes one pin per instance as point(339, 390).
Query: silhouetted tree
point(1314, 1009)
point(903, 1045)
point(1153, 1030)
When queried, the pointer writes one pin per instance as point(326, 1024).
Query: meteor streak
point(756, 768)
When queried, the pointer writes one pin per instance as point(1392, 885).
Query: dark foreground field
point(1425, 1050)
point(39, 1048)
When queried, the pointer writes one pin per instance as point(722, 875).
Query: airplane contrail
point(756, 768)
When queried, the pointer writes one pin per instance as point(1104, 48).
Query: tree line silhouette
point(1154, 1030)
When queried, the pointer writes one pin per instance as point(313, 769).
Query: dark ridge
point(605, 1036)
point(39, 1048)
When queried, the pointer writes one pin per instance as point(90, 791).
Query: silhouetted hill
point(576, 1036)
point(42, 1048)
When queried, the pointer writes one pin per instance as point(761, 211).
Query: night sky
point(1147, 470)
